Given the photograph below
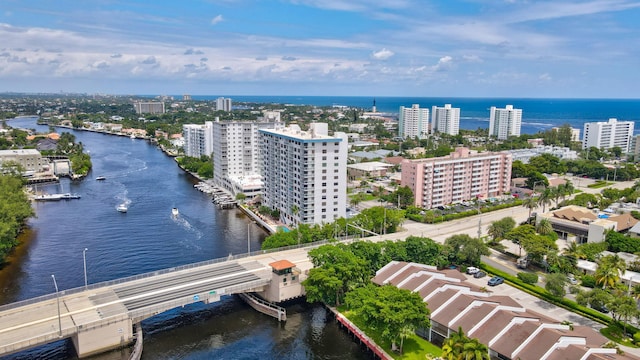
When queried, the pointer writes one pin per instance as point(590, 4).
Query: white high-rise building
point(304, 173)
point(606, 135)
point(445, 120)
point(236, 155)
point(223, 104)
point(413, 122)
point(198, 139)
point(505, 122)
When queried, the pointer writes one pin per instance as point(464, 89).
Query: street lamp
point(58, 300)
point(248, 238)
point(84, 261)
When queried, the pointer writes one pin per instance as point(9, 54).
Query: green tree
point(15, 209)
point(555, 284)
point(521, 234)
point(544, 227)
point(609, 269)
point(538, 246)
point(545, 199)
point(530, 203)
point(463, 249)
point(459, 347)
point(397, 312)
point(498, 229)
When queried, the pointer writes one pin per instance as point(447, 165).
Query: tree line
point(15, 209)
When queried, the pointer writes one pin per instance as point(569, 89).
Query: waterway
point(148, 238)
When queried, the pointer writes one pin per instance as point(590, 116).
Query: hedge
point(460, 215)
point(544, 294)
point(528, 278)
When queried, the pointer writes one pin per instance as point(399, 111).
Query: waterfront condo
point(505, 122)
point(304, 173)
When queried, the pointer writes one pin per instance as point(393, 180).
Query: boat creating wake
point(184, 223)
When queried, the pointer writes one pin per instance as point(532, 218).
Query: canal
point(148, 238)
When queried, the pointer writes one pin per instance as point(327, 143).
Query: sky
point(417, 48)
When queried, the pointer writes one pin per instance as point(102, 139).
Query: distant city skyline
point(494, 48)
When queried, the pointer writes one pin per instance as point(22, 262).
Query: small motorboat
point(122, 208)
point(175, 212)
point(100, 178)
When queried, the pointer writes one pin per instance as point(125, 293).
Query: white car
point(472, 270)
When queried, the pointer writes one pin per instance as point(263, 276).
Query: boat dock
point(222, 198)
point(55, 197)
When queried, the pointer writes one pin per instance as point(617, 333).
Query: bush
point(588, 281)
point(636, 338)
point(528, 278)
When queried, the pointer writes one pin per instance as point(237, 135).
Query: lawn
point(414, 347)
point(599, 184)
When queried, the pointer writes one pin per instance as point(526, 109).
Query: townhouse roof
point(498, 321)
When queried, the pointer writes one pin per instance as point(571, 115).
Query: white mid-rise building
point(236, 155)
point(152, 107)
point(606, 135)
point(198, 139)
point(304, 173)
point(223, 104)
point(413, 122)
point(445, 120)
point(505, 122)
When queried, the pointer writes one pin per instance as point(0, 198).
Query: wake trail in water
point(184, 223)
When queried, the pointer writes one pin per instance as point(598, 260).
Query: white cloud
point(383, 54)
point(443, 64)
point(216, 20)
point(545, 77)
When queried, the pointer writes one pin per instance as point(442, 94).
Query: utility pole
point(479, 228)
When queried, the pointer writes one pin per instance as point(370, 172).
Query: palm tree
point(530, 203)
point(569, 188)
point(459, 347)
point(545, 199)
point(609, 269)
point(475, 350)
point(544, 227)
point(453, 346)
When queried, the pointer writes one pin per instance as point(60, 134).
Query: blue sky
point(473, 48)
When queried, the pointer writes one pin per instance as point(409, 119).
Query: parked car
point(479, 274)
point(572, 280)
point(601, 308)
point(472, 270)
point(496, 280)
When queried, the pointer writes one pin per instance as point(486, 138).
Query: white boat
point(133, 136)
point(99, 178)
point(174, 212)
point(122, 208)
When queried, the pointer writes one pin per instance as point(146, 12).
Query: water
point(148, 238)
point(537, 114)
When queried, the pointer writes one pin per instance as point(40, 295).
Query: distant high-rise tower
point(186, 97)
point(445, 120)
point(373, 109)
point(505, 122)
point(606, 135)
point(413, 122)
point(223, 104)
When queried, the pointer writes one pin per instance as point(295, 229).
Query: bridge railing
point(166, 271)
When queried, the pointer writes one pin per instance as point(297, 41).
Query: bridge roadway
point(87, 316)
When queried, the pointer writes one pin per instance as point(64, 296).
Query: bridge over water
point(102, 316)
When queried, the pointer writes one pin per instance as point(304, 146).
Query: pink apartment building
point(462, 175)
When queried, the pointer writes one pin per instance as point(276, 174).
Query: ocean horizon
point(538, 114)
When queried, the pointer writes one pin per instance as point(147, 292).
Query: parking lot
point(533, 303)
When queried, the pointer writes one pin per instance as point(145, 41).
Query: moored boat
point(100, 178)
point(174, 211)
point(122, 208)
